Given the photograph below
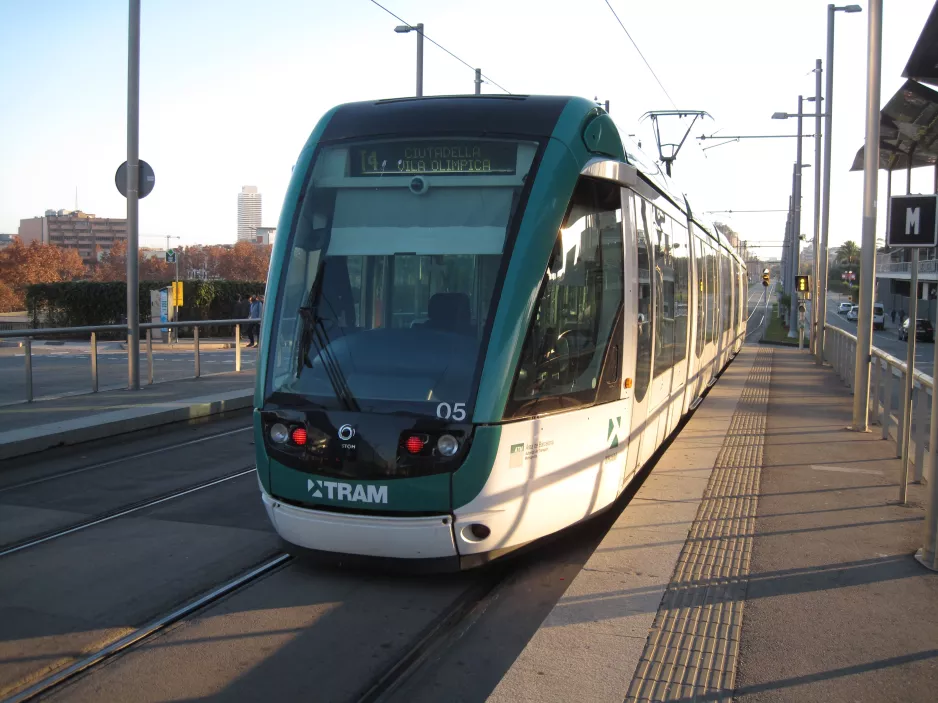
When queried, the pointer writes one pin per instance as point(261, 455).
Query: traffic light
point(765, 277)
point(803, 284)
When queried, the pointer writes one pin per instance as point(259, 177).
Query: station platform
point(26, 428)
point(765, 558)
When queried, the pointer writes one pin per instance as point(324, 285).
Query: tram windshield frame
point(394, 269)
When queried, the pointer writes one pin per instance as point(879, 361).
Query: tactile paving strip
point(692, 649)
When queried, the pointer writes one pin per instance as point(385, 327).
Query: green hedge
point(81, 303)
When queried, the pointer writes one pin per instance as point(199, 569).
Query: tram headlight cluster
point(279, 433)
point(447, 445)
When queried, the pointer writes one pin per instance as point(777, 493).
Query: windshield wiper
point(314, 331)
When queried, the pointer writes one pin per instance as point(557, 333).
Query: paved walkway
point(764, 559)
point(32, 427)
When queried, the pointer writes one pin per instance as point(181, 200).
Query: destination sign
point(444, 157)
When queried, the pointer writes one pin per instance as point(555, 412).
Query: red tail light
point(299, 436)
point(414, 444)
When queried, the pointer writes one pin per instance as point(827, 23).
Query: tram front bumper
point(366, 535)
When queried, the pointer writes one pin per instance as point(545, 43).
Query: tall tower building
point(249, 213)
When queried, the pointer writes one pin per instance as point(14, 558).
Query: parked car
point(844, 308)
point(879, 316)
point(853, 313)
point(924, 331)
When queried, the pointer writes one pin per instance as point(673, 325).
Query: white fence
point(887, 387)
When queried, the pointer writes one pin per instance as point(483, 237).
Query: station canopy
point(909, 121)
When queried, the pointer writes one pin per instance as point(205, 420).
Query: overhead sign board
point(439, 157)
point(913, 221)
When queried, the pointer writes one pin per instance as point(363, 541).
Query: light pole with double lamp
point(404, 29)
point(826, 196)
point(796, 198)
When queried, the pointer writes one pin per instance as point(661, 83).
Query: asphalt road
point(58, 371)
point(884, 339)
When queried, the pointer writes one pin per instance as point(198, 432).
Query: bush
point(85, 303)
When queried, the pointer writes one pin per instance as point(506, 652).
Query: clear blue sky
point(231, 89)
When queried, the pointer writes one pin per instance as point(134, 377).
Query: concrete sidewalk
point(764, 559)
point(33, 427)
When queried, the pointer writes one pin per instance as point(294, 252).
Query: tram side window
point(727, 293)
point(645, 323)
point(664, 287)
point(563, 353)
point(701, 260)
point(681, 260)
point(712, 291)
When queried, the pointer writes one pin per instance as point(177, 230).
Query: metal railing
point(888, 379)
point(928, 266)
point(28, 335)
point(887, 383)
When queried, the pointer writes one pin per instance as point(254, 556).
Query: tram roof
point(522, 115)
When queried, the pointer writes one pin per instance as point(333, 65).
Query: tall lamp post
point(826, 197)
point(404, 29)
point(796, 207)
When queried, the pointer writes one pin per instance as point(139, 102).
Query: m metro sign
point(913, 221)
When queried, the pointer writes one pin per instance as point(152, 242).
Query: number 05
point(457, 412)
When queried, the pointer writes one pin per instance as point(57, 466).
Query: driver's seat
point(449, 312)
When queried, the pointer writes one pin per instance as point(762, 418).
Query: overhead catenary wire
point(665, 90)
point(440, 46)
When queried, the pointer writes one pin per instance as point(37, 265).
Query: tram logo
point(346, 432)
point(612, 436)
point(337, 490)
point(516, 456)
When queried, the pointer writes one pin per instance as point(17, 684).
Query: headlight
point(279, 433)
point(447, 445)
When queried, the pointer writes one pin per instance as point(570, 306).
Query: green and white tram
point(484, 315)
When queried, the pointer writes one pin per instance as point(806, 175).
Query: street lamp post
point(815, 286)
point(796, 190)
point(404, 29)
point(826, 198)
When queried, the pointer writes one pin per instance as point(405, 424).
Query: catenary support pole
point(420, 60)
point(796, 222)
point(133, 178)
point(909, 383)
point(928, 554)
point(816, 277)
point(861, 377)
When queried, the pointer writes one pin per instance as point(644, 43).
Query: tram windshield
point(392, 271)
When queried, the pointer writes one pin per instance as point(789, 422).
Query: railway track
point(451, 624)
point(148, 630)
point(121, 512)
point(119, 460)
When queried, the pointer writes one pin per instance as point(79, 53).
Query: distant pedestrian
point(254, 328)
point(254, 313)
point(893, 316)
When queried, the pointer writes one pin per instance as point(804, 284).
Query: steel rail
point(121, 512)
point(148, 630)
point(111, 462)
